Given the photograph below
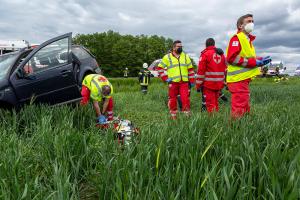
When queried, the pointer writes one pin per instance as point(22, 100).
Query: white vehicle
point(297, 71)
point(152, 67)
point(7, 46)
point(276, 68)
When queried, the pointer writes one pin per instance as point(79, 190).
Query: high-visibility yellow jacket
point(239, 73)
point(95, 82)
point(178, 69)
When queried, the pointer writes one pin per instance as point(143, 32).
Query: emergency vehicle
point(7, 46)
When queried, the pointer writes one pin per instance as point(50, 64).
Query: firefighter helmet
point(145, 65)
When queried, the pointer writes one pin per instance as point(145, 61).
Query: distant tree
point(115, 52)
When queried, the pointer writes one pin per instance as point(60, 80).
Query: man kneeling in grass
point(99, 89)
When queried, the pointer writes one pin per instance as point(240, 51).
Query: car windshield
point(6, 61)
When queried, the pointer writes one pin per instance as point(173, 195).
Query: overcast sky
point(277, 22)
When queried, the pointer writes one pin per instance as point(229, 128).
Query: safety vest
point(239, 73)
point(177, 68)
point(94, 83)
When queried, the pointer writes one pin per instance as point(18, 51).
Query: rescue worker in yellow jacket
point(243, 65)
point(177, 70)
point(99, 89)
point(144, 78)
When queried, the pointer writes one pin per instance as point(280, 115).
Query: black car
point(51, 73)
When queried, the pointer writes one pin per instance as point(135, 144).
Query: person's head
point(126, 68)
point(106, 90)
point(245, 23)
point(177, 46)
point(145, 65)
point(210, 42)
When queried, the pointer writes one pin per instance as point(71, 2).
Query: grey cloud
point(276, 22)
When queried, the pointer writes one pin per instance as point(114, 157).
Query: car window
point(6, 62)
point(80, 53)
point(50, 56)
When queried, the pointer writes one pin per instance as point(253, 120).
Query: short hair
point(210, 42)
point(240, 21)
point(106, 90)
point(176, 42)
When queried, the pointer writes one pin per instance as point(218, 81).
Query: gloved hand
point(169, 80)
point(263, 61)
point(102, 119)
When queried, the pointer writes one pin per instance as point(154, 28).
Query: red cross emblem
point(217, 58)
point(102, 79)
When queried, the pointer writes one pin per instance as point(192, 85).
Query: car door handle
point(65, 72)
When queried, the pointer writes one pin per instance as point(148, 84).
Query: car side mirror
point(30, 77)
point(20, 73)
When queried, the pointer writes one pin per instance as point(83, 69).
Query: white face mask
point(249, 27)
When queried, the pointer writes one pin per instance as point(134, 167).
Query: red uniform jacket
point(211, 69)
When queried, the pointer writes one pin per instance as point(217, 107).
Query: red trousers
point(211, 99)
point(85, 93)
point(182, 89)
point(240, 98)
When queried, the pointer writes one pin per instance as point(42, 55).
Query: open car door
point(46, 75)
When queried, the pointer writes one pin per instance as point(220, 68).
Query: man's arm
point(97, 108)
point(233, 56)
point(201, 71)
point(191, 72)
point(161, 68)
point(85, 93)
point(140, 76)
point(105, 105)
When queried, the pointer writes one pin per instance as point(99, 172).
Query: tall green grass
point(58, 153)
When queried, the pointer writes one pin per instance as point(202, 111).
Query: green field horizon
point(58, 152)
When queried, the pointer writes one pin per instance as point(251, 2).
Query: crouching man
point(99, 89)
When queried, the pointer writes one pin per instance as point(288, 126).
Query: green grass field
point(58, 153)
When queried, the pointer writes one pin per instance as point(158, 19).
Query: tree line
point(114, 52)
